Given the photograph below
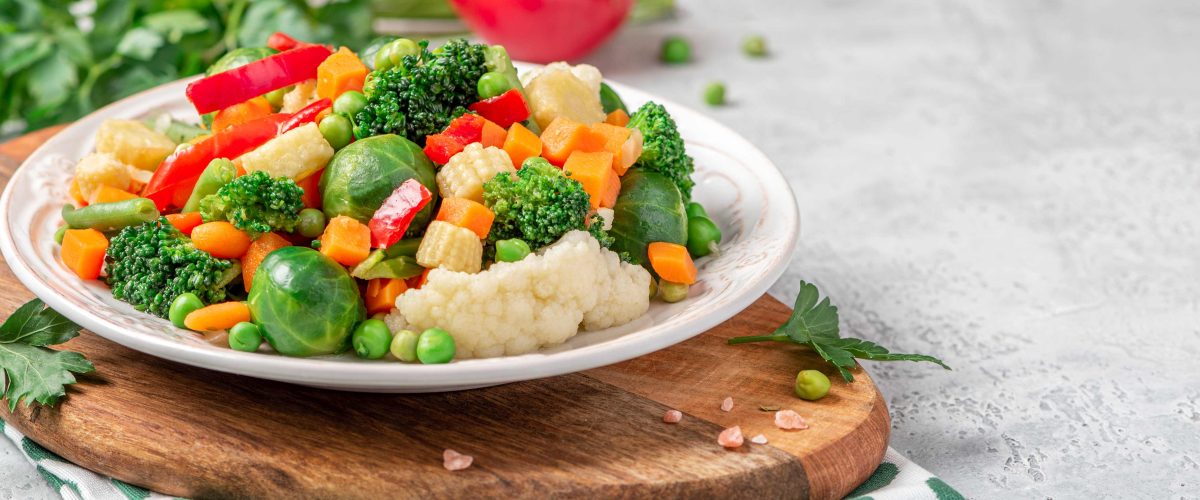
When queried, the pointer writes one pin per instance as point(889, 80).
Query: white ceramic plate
point(743, 192)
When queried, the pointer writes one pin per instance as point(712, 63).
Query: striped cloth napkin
point(897, 478)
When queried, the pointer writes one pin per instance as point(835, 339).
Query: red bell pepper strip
point(257, 78)
point(465, 129)
point(504, 109)
point(391, 221)
point(281, 41)
point(440, 147)
point(306, 115)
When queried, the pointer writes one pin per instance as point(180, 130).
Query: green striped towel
point(897, 478)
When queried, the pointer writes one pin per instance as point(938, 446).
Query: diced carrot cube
point(625, 144)
point(493, 135)
point(672, 262)
point(340, 72)
point(470, 214)
point(594, 171)
point(564, 136)
point(83, 252)
point(109, 194)
point(521, 144)
point(381, 294)
point(346, 240)
point(617, 117)
point(609, 199)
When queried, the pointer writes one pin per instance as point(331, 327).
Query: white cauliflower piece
point(464, 175)
point(585, 72)
point(133, 143)
point(519, 307)
point(101, 169)
point(295, 154)
point(562, 90)
point(301, 95)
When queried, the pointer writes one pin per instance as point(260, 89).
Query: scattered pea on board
point(755, 46)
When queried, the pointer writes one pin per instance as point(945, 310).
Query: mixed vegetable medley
point(427, 203)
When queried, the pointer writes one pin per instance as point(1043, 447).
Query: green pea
point(371, 339)
point(349, 103)
point(811, 385)
point(695, 210)
point(492, 84)
point(676, 50)
point(337, 130)
point(275, 97)
point(653, 288)
point(392, 54)
point(703, 236)
point(311, 223)
point(60, 233)
point(245, 337)
point(755, 46)
point(182, 306)
point(672, 292)
point(714, 94)
point(110, 216)
point(435, 346)
point(511, 250)
point(404, 346)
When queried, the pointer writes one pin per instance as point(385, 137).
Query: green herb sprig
point(32, 371)
point(815, 325)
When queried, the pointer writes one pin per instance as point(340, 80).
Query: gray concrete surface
point(1013, 186)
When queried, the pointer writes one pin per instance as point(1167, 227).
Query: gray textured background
point(1012, 186)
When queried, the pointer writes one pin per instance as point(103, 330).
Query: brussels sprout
point(305, 303)
point(360, 176)
point(648, 209)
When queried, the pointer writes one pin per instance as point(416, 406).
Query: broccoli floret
point(662, 147)
point(423, 93)
point(256, 203)
point(150, 264)
point(538, 204)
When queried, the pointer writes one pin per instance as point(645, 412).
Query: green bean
point(110, 216)
point(696, 210)
point(349, 103)
point(379, 265)
point(676, 50)
point(492, 84)
point(406, 247)
point(182, 306)
point(511, 250)
point(245, 337)
point(371, 339)
point(435, 346)
point(60, 233)
point(404, 346)
point(311, 223)
point(714, 94)
point(811, 385)
point(703, 236)
point(218, 173)
point(672, 292)
point(337, 130)
point(755, 46)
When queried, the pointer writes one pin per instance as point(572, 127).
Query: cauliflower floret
point(303, 94)
point(562, 90)
point(295, 154)
point(464, 175)
point(101, 169)
point(133, 143)
point(519, 307)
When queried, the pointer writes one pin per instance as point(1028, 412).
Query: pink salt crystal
point(453, 460)
point(731, 437)
point(759, 439)
point(727, 404)
point(672, 416)
point(788, 420)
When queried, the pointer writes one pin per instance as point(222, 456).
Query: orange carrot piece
point(617, 140)
point(185, 223)
point(593, 170)
point(613, 190)
point(346, 240)
point(382, 292)
point(672, 262)
point(214, 317)
point(493, 135)
point(242, 112)
point(617, 117)
point(312, 190)
point(83, 252)
point(76, 194)
point(564, 136)
point(521, 144)
point(108, 194)
point(221, 239)
point(258, 251)
point(470, 214)
point(340, 72)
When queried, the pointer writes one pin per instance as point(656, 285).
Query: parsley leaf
point(31, 370)
point(815, 325)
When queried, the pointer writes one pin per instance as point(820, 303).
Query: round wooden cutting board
point(192, 432)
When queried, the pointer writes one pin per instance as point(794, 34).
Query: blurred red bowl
point(545, 30)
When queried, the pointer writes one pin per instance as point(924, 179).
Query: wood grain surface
point(191, 432)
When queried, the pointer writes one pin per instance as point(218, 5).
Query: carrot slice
point(83, 252)
point(185, 222)
point(492, 135)
point(382, 292)
point(258, 251)
point(346, 240)
point(672, 262)
point(564, 136)
point(340, 72)
point(617, 117)
point(108, 194)
point(521, 144)
point(594, 171)
point(222, 316)
point(221, 239)
point(470, 214)
point(312, 189)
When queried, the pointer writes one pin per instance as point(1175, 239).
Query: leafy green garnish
point(815, 325)
point(31, 370)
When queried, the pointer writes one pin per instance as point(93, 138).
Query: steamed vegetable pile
point(423, 203)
